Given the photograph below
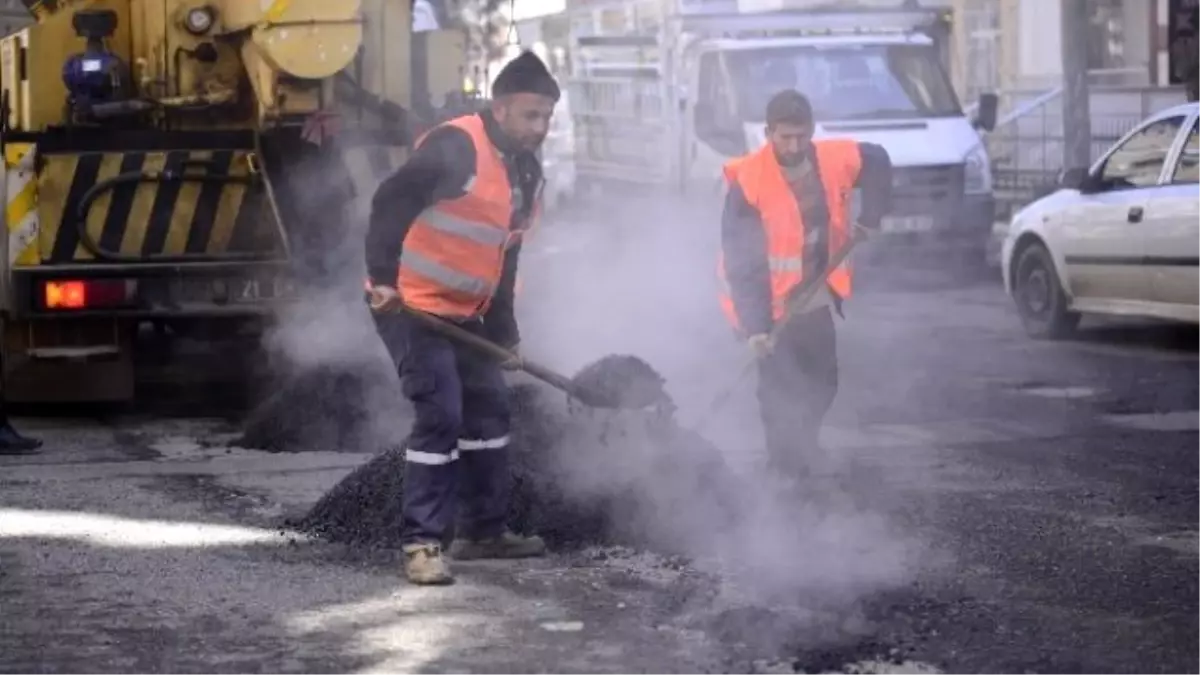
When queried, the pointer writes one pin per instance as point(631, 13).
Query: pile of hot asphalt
point(632, 487)
point(580, 476)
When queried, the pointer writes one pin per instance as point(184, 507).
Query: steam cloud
point(640, 277)
point(325, 348)
point(636, 278)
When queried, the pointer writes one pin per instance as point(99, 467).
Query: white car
point(1121, 238)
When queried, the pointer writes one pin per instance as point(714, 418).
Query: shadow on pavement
point(1169, 337)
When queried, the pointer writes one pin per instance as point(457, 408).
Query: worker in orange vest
point(444, 238)
point(787, 212)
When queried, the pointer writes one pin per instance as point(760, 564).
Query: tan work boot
point(507, 546)
point(425, 565)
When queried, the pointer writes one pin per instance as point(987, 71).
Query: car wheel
point(1040, 298)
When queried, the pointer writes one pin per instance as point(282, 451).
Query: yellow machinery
point(188, 163)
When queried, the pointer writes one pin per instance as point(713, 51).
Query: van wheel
point(1040, 298)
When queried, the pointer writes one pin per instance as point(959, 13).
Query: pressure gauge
point(199, 20)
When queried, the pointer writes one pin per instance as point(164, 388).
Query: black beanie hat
point(525, 74)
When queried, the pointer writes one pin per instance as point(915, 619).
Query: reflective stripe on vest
point(766, 189)
point(786, 263)
point(453, 255)
point(450, 278)
point(461, 227)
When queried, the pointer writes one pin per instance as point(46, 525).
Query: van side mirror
point(704, 116)
point(726, 139)
point(988, 112)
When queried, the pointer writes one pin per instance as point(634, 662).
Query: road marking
point(1186, 420)
point(1060, 392)
point(942, 432)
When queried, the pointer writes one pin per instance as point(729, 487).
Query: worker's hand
point(515, 362)
point(384, 299)
point(761, 345)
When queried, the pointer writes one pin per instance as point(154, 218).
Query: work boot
point(424, 565)
point(507, 546)
point(13, 443)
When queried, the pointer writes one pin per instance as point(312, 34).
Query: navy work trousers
point(459, 440)
point(797, 383)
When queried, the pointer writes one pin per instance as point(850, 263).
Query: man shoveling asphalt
point(787, 215)
point(444, 238)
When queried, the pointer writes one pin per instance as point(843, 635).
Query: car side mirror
point(987, 114)
point(1076, 178)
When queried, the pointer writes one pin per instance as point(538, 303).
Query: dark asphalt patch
point(622, 381)
point(572, 483)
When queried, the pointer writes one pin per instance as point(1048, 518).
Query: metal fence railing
point(1026, 148)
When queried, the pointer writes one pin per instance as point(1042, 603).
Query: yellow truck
point(187, 163)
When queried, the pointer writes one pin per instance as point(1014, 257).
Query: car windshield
point(845, 82)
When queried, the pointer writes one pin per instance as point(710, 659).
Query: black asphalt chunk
point(621, 381)
point(580, 477)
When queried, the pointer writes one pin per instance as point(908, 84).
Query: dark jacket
point(744, 240)
point(440, 169)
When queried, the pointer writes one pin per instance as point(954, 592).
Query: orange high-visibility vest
point(453, 255)
point(766, 189)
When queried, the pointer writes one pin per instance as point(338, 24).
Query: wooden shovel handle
point(468, 338)
point(807, 291)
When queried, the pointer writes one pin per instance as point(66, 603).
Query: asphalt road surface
point(993, 504)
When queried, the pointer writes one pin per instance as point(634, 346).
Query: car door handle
point(1135, 214)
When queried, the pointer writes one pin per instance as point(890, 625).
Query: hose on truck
point(136, 177)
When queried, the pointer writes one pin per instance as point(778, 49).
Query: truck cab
point(873, 74)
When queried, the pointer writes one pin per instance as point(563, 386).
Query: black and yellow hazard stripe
point(153, 218)
point(20, 214)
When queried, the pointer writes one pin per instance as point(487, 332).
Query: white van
point(665, 100)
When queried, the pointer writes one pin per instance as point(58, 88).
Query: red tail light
point(63, 294)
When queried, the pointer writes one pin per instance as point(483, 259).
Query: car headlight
point(978, 178)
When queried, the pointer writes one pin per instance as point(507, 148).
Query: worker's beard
point(515, 141)
point(791, 158)
point(533, 143)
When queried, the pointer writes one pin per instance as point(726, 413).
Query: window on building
point(1106, 41)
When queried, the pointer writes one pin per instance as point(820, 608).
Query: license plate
point(234, 290)
point(256, 290)
point(907, 223)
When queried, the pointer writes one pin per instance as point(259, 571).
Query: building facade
point(1016, 45)
point(13, 16)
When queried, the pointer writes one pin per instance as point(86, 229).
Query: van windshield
point(845, 82)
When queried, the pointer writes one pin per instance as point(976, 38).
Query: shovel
point(803, 293)
point(613, 382)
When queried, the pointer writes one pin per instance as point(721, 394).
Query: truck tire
point(1039, 296)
